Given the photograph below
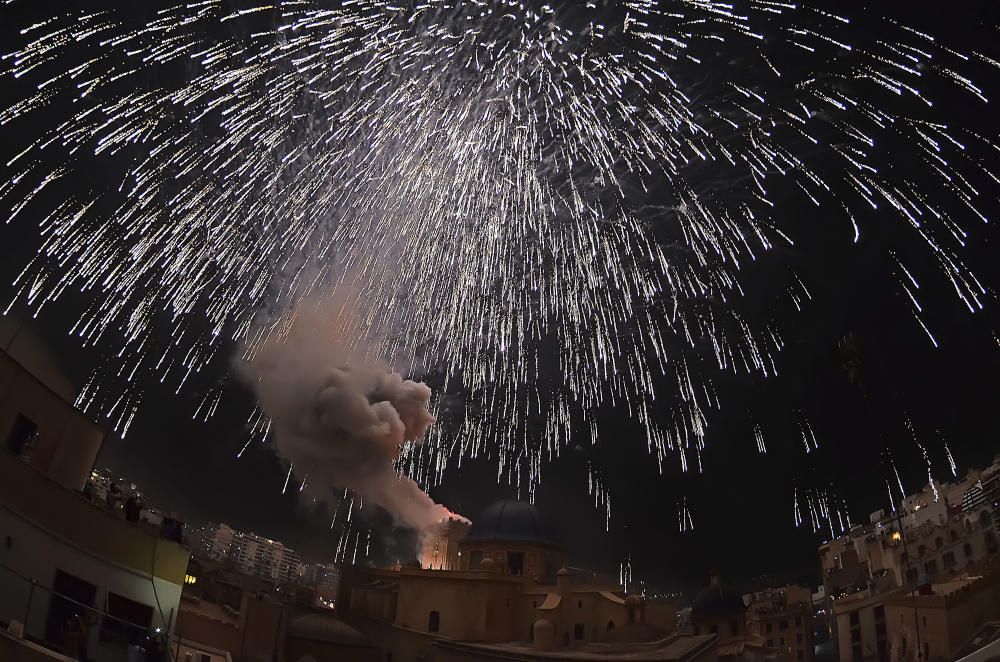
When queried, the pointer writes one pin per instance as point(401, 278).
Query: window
point(879, 612)
point(948, 560)
point(768, 628)
point(798, 621)
point(967, 550)
point(579, 604)
point(434, 622)
point(62, 609)
point(515, 563)
point(782, 641)
point(954, 535)
point(939, 542)
point(856, 653)
point(931, 568)
point(798, 638)
point(770, 643)
point(855, 619)
point(855, 636)
point(733, 628)
point(578, 631)
point(880, 630)
point(129, 620)
point(799, 656)
point(534, 604)
point(715, 629)
point(911, 575)
point(783, 625)
point(610, 626)
point(475, 560)
point(21, 435)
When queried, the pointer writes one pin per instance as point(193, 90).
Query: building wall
point(67, 516)
point(862, 627)
point(67, 441)
point(789, 628)
point(258, 630)
point(402, 644)
point(16, 649)
point(203, 629)
point(540, 562)
point(469, 610)
point(48, 527)
point(393, 607)
point(946, 622)
point(189, 651)
point(36, 553)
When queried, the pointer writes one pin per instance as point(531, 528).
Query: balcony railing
point(108, 637)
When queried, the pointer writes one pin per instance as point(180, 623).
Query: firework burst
point(549, 209)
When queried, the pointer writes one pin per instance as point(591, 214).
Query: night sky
point(857, 395)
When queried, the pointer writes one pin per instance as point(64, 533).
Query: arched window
point(610, 626)
point(921, 550)
point(967, 550)
point(939, 542)
point(954, 535)
point(434, 621)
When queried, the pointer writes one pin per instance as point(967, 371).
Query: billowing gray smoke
point(341, 417)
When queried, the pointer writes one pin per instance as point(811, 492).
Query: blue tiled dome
point(509, 521)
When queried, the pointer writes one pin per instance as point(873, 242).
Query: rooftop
point(674, 647)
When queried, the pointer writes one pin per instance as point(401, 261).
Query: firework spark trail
point(493, 178)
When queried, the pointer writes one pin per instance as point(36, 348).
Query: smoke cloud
point(342, 416)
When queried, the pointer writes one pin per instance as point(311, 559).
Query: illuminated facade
point(500, 599)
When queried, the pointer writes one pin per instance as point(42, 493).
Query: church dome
point(716, 602)
point(326, 629)
point(509, 521)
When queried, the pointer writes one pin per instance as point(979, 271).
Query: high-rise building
point(263, 557)
point(250, 553)
point(990, 481)
point(215, 541)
